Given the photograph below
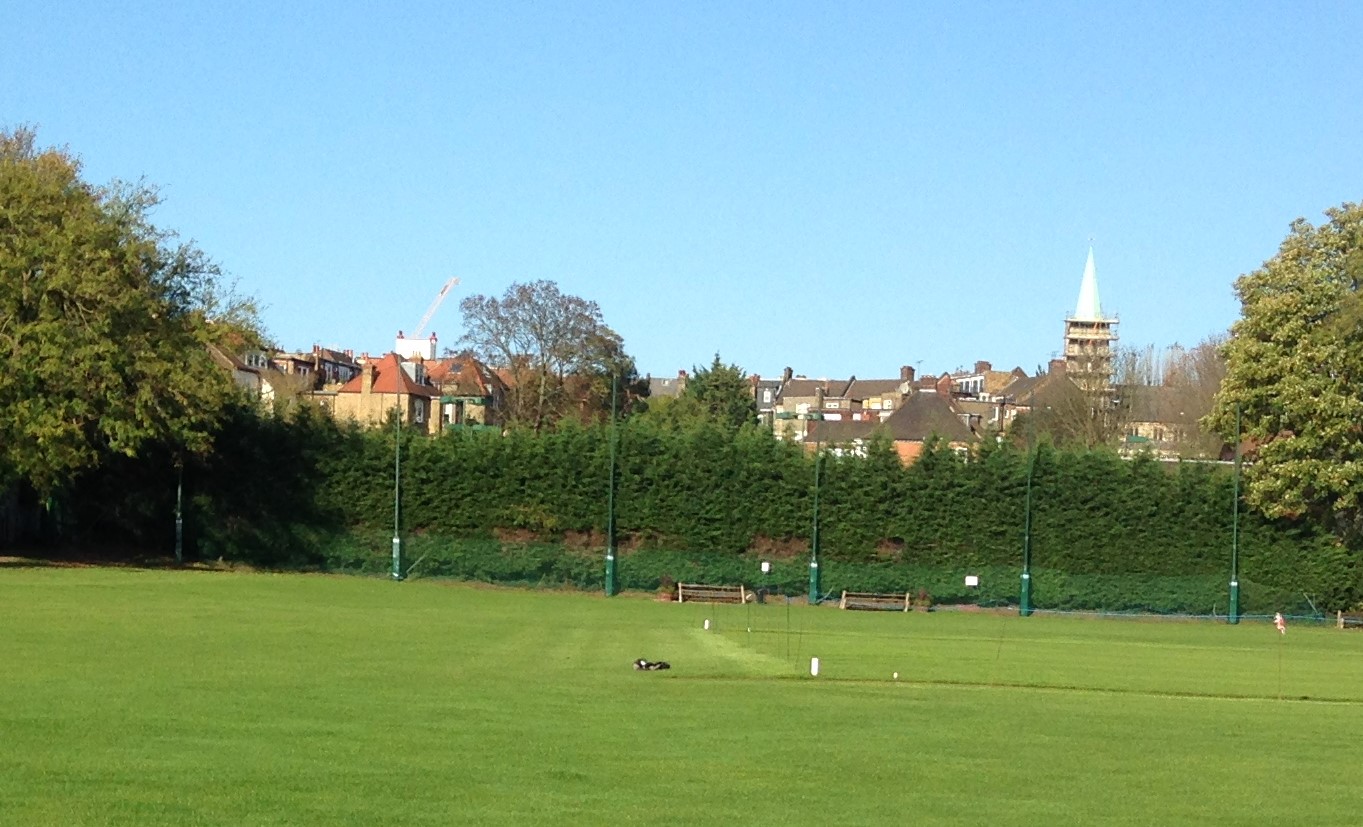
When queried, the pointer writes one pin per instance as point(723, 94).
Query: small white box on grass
point(972, 580)
point(814, 667)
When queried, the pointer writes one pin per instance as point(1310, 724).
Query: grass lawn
point(131, 697)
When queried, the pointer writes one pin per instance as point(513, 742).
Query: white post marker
point(972, 580)
point(766, 567)
point(814, 667)
point(896, 676)
point(706, 627)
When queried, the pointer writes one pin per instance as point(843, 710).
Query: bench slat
point(702, 593)
point(876, 600)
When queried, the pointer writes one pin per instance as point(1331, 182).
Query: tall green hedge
point(703, 503)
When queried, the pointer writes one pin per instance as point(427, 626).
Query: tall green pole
point(611, 589)
point(179, 514)
point(815, 587)
point(397, 493)
point(1025, 596)
point(1234, 614)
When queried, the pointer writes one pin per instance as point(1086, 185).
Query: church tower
point(1088, 338)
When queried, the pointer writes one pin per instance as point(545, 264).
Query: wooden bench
point(898, 602)
point(700, 593)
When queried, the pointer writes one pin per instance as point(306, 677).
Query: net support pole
point(1233, 613)
point(397, 494)
point(815, 584)
point(1025, 592)
point(611, 588)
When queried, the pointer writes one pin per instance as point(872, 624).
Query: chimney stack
point(906, 373)
point(1057, 366)
point(367, 379)
point(983, 367)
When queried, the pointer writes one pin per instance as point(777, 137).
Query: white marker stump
point(814, 667)
point(706, 627)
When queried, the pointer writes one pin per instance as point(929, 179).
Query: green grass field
point(131, 697)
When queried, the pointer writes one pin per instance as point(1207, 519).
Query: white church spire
point(1088, 308)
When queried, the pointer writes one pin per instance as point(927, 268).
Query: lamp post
point(1233, 615)
point(397, 492)
point(611, 589)
point(1025, 594)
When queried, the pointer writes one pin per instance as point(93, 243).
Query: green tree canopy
point(1295, 374)
point(104, 322)
point(557, 352)
point(722, 394)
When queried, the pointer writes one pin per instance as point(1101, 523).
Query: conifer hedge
point(705, 504)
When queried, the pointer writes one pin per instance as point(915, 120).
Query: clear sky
point(842, 188)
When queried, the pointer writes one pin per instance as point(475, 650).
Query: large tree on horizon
point(104, 323)
point(559, 356)
point(1295, 375)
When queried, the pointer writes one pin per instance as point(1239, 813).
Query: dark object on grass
point(651, 665)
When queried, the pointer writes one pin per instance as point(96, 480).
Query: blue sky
point(838, 188)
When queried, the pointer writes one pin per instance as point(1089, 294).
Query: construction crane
point(435, 305)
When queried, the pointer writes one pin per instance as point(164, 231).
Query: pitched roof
point(336, 356)
point(919, 417)
point(462, 374)
point(389, 377)
point(924, 414)
point(865, 388)
point(1024, 390)
point(801, 387)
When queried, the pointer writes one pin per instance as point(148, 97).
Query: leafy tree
point(558, 353)
point(722, 394)
point(104, 323)
point(1295, 374)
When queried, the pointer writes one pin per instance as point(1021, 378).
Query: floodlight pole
point(815, 586)
point(611, 589)
point(1233, 616)
point(1025, 596)
point(397, 492)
